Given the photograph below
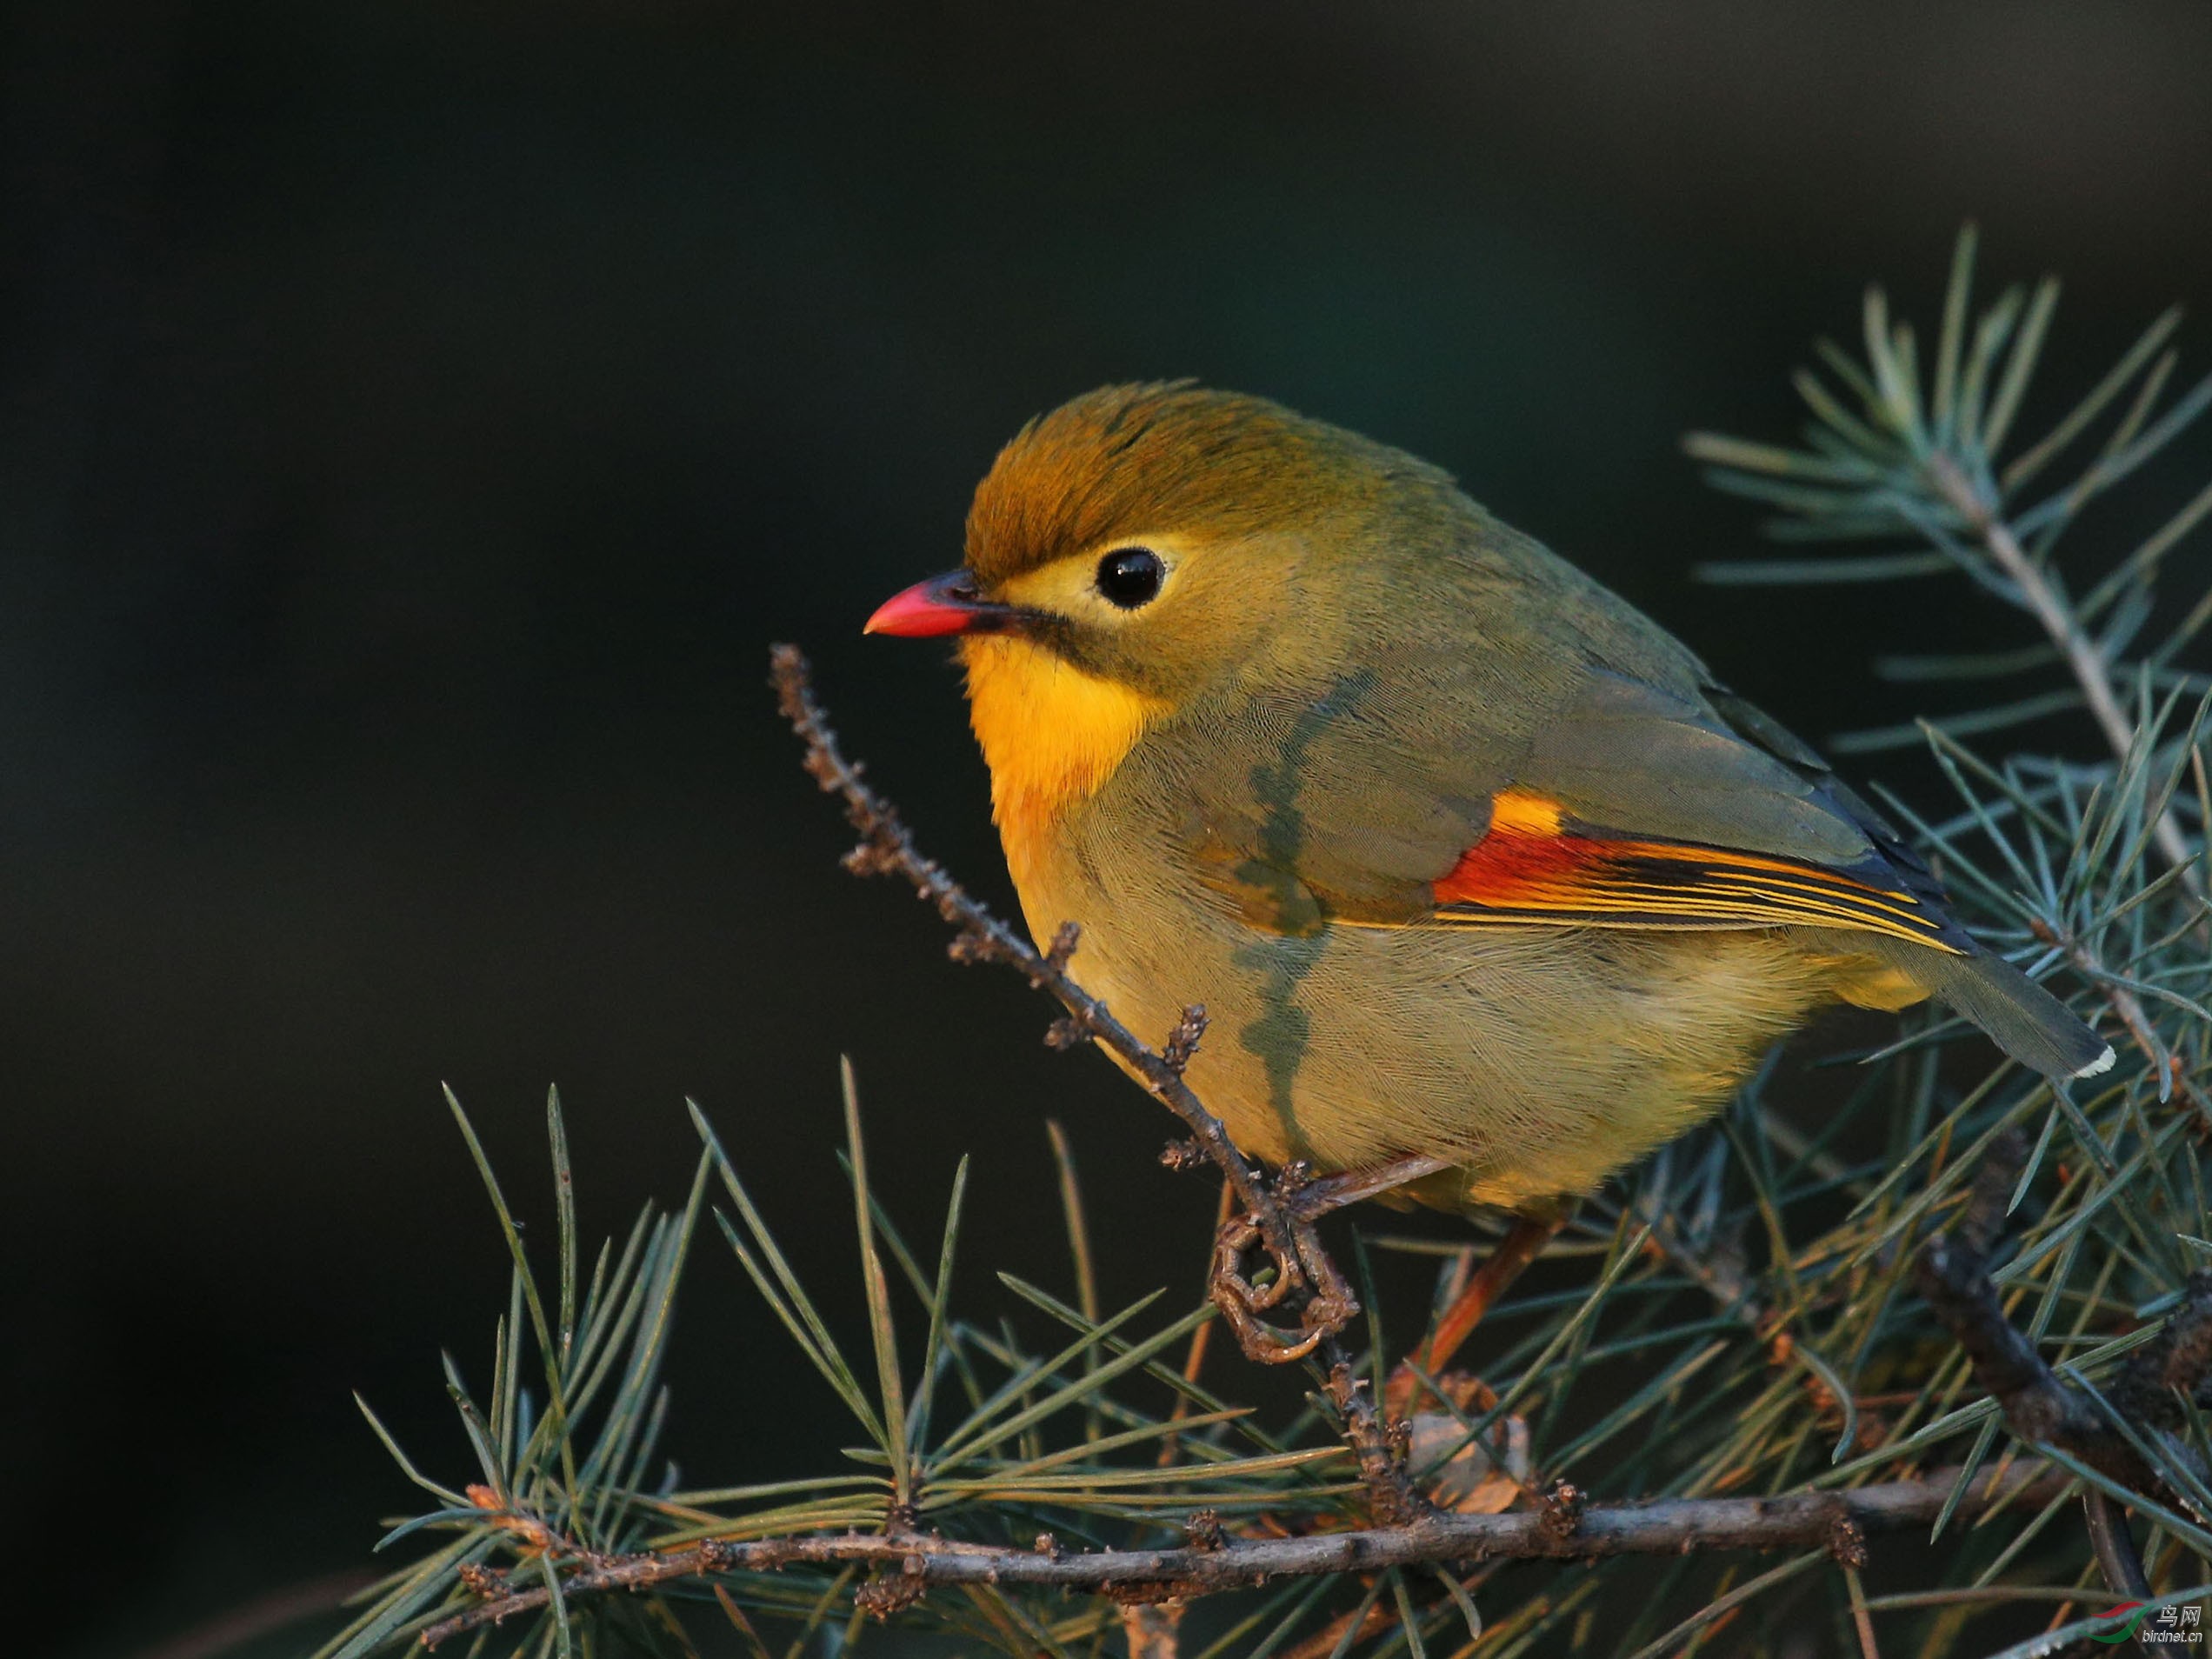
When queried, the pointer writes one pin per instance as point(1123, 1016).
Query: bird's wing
point(1596, 777)
point(1637, 808)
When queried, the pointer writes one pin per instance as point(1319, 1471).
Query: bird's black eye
point(1130, 577)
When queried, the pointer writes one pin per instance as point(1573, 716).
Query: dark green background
point(416, 419)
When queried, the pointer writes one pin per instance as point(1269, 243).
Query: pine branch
point(1831, 1521)
point(1982, 514)
point(1922, 459)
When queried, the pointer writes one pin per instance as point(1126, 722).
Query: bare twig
point(1672, 1526)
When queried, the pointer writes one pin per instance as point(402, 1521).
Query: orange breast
point(1051, 734)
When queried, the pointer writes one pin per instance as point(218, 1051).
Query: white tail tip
point(2102, 1062)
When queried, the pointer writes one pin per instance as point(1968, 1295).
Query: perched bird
point(1464, 855)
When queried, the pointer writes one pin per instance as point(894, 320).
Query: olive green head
point(1162, 535)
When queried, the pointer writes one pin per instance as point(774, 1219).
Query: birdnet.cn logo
point(2178, 1625)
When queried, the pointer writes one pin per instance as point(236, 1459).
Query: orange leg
point(1522, 1244)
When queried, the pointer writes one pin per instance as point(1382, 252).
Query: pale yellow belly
point(1538, 1059)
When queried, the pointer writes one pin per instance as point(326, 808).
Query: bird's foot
point(1244, 1301)
point(1299, 1262)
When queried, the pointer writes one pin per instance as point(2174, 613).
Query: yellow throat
point(1050, 733)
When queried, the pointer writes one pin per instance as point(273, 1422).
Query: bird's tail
point(2020, 1017)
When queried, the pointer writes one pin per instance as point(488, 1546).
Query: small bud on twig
point(1561, 1513)
point(1183, 1041)
point(887, 1594)
point(1847, 1545)
point(1183, 1157)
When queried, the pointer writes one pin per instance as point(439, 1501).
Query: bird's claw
point(1242, 1303)
point(1301, 1198)
point(1298, 1262)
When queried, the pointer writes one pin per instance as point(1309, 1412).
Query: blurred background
point(416, 420)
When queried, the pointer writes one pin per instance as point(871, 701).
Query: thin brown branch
point(1831, 1520)
point(2083, 660)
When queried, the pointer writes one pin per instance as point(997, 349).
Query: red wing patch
point(1533, 865)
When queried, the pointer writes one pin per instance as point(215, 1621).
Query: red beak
point(944, 605)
